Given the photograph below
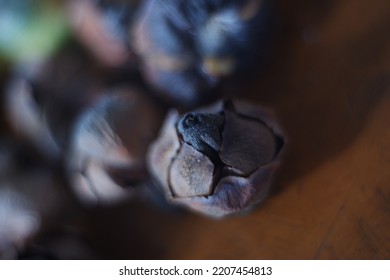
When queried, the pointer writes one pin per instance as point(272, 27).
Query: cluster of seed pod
point(186, 49)
point(130, 115)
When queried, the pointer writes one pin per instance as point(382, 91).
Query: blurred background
point(327, 80)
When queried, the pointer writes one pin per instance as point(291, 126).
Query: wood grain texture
point(328, 81)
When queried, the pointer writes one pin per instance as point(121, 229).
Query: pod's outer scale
point(246, 144)
point(191, 174)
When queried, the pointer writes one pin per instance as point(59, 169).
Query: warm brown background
point(329, 83)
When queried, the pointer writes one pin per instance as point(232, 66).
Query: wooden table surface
point(329, 84)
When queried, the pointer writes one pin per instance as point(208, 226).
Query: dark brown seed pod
point(42, 99)
point(109, 144)
point(103, 26)
point(188, 49)
point(218, 160)
point(26, 119)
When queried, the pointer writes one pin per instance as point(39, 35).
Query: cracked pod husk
point(219, 160)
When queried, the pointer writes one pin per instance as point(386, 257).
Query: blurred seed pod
point(103, 26)
point(218, 160)
point(25, 118)
point(42, 99)
point(109, 143)
point(188, 48)
point(32, 198)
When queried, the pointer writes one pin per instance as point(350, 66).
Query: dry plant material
point(218, 160)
